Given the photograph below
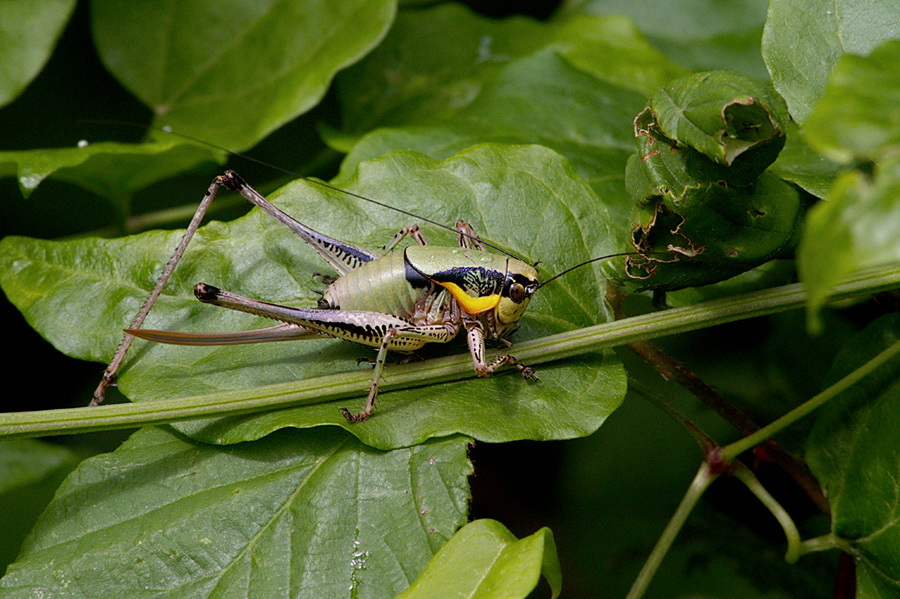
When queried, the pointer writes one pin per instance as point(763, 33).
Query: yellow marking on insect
point(472, 305)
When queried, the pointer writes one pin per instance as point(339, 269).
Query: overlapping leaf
point(436, 62)
point(484, 560)
point(231, 74)
point(804, 39)
point(858, 120)
point(699, 34)
point(28, 32)
point(854, 453)
point(80, 294)
point(311, 515)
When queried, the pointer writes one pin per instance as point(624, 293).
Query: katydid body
point(396, 302)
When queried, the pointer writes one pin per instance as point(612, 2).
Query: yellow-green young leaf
point(308, 515)
point(854, 453)
point(484, 560)
point(232, 73)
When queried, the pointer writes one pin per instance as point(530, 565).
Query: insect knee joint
point(206, 293)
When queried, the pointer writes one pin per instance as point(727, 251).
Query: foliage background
point(606, 496)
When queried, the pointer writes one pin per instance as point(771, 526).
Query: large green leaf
point(804, 39)
point(28, 33)
point(435, 63)
point(232, 73)
point(112, 170)
point(302, 515)
point(538, 99)
point(853, 451)
point(484, 560)
point(858, 117)
point(697, 34)
point(526, 198)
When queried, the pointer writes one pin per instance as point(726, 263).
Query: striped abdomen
point(377, 286)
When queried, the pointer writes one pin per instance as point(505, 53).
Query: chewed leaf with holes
point(705, 207)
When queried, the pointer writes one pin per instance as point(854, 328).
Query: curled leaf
point(705, 207)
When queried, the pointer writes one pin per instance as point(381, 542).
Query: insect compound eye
point(517, 292)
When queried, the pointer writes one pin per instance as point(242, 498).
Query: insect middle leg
point(467, 237)
point(407, 231)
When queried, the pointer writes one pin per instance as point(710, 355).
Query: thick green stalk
point(701, 481)
point(349, 384)
point(730, 452)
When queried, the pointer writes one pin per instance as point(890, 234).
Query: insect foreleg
point(475, 338)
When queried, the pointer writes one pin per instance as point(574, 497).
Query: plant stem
point(349, 384)
point(746, 476)
point(729, 452)
point(701, 481)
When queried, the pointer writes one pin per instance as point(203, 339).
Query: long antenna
point(169, 131)
point(585, 263)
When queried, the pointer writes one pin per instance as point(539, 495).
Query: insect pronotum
point(395, 301)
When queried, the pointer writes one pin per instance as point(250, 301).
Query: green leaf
point(112, 170)
point(857, 227)
point(436, 62)
point(705, 207)
point(804, 39)
point(28, 33)
point(484, 560)
point(30, 471)
point(697, 34)
point(232, 74)
point(853, 451)
point(539, 99)
point(311, 515)
point(80, 295)
point(800, 164)
point(720, 114)
point(858, 117)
